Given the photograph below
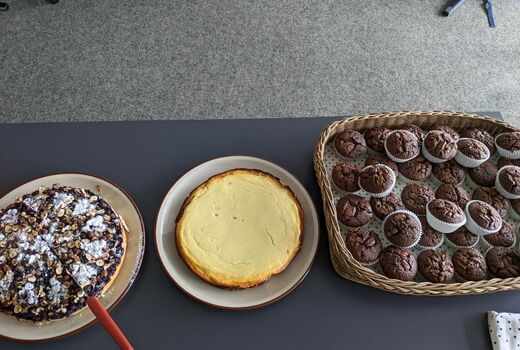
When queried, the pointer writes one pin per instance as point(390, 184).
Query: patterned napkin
point(504, 330)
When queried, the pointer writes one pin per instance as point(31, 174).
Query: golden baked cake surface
point(239, 228)
point(46, 236)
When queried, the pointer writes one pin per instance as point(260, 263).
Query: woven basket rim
point(343, 261)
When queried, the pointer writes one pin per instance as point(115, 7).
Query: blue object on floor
point(489, 10)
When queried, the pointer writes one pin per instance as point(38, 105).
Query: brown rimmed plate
point(22, 330)
point(275, 288)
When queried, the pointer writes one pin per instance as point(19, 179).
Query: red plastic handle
point(108, 323)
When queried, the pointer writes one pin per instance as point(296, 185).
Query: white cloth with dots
point(504, 330)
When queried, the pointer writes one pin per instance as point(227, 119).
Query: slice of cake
point(239, 228)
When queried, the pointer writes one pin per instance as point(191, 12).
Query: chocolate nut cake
point(469, 264)
point(402, 144)
point(453, 193)
point(484, 174)
point(502, 262)
point(440, 145)
point(350, 144)
point(398, 263)
point(417, 169)
point(480, 135)
point(375, 138)
point(493, 198)
point(449, 172)
point(382, 206)
point(346, 176)
point(48, 235)
point(415, 197)
point(435, 266)
point(509, 141)
point(447, 129)
point(376, 158)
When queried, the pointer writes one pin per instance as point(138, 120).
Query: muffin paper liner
point(513, 214)
point(469, 162)
point(430, 157)
point(411, 214)
point(382, 194)
point(369, 264)
point(456, 246)
point(501, 189)
point(438, 182)
point(473, 227)
point(340, 190)
point(434, 247)
point(442, 226)
point(506, 153)
point(488, 245)
point(392, 157)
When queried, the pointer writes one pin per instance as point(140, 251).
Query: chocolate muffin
point(446, 211)
point(484, 174)
point(453, 193)
point(355, 229)
point(353, 210)
point(508, 183)
point(503, 161)
point(509, 141)
point(346, 176)
point(377, 179)
point(469, 264)
point(417, 169)
point(365, 246)
point(398, 263)
point(435, 266)
point(430, 238)
point(462, 238)
point(502, 262)
point(504, 238)
point(473, 149)
point(493, 198)
point(402, 229)
point(439, 145)
point(350, 144)
point(414, 129)
point(415, 197)
point(402, 145)
point(383, 206)
point(447, 129)
point(449, 172)
point(515, 208)
point(375, 138)
point(484, 215)
point(374, 159)
point(480, 135)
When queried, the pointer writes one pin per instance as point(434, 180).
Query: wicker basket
point(343, 262)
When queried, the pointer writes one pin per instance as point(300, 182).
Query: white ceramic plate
point(279, 285)
point(23, 330)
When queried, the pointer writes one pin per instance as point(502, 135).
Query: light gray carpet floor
point(131, 60)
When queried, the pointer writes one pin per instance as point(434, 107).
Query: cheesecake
point(53, 241)
point(239, 228)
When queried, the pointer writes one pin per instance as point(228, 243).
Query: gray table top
point(145, 158)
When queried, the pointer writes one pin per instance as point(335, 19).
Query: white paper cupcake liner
point(513, 214)
point(500, 188)
point(506, 153)
point(469, 162)
point(442, 226)
point(456, 246)
point(488, 245)
point(369, 264)
point(411, 214)
point(473, 227)
point(434, 247)
point(382, 194)
point(430, 157)
point(392, 157)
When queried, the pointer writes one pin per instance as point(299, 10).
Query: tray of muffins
point(423, 203)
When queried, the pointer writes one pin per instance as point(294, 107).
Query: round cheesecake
point(48, 238)
point(239, 228)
